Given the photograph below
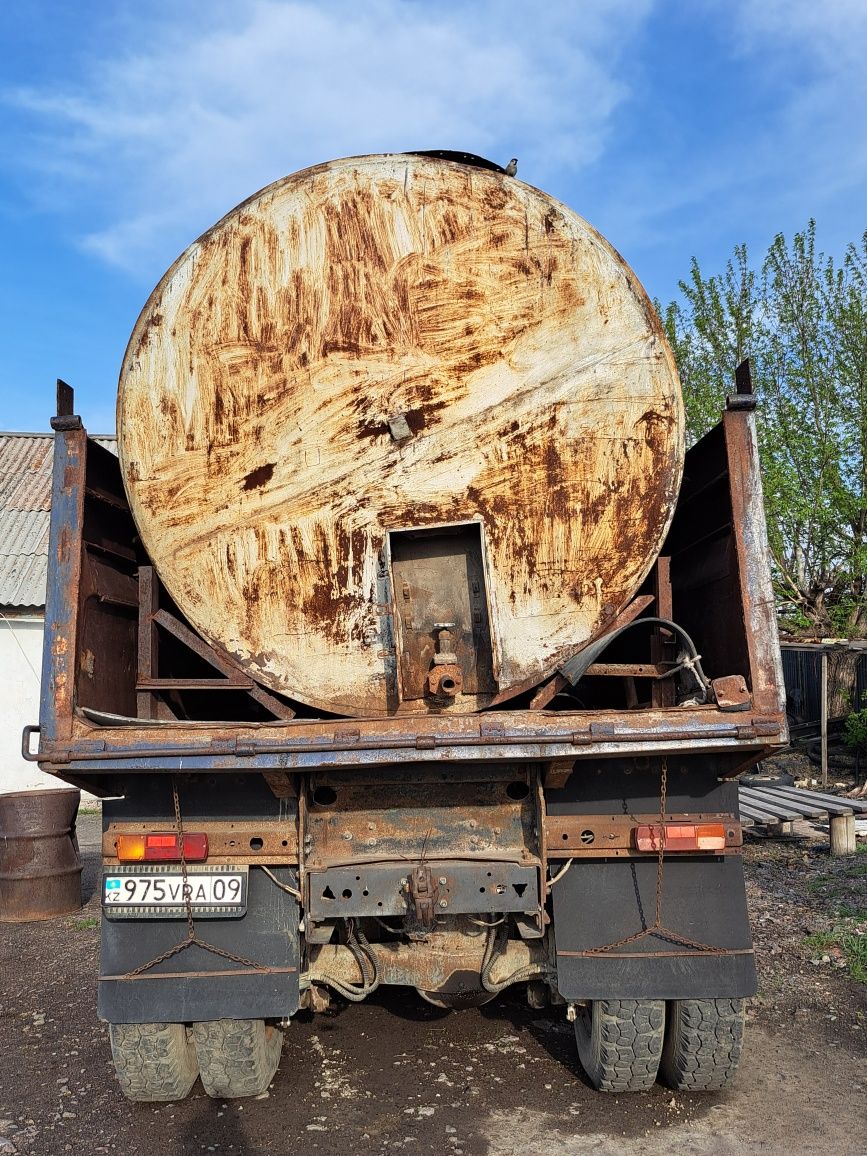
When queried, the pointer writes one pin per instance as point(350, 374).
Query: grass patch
point(854, 947)
point(85, 924)
point(828, 887)
point(857, 913)
point(851, 943)
point(833, 884)
point(821, 940)
point(843, 891)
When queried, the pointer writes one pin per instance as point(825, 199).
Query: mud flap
point(600, 902)
point(195, 984)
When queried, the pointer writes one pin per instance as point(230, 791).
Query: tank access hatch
point(441, 613)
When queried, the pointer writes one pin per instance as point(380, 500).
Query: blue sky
point(129, 126)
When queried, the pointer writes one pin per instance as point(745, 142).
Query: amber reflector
point(681, 837)
point(161, 847)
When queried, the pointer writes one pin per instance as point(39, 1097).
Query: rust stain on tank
point(255, 401)
point(259, 477)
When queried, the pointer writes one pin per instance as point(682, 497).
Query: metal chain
point(192, 938)
point(185, 887)
point(659, 929)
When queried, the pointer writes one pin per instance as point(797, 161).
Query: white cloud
point(188, 116)
point(833, 33)
point(815, 53)
point(783, 141)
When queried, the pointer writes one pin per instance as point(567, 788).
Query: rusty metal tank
point(40, 867)
point(400, 434)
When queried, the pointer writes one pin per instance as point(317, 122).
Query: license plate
point(157, 892)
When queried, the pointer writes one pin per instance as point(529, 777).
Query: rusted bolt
point(347, 835)
point(444, 903)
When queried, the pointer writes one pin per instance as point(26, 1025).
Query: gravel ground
point(393, 1075)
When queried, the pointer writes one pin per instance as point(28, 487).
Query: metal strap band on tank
point(191, 938)
point(659, 929)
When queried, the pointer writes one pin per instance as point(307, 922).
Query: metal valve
point(445, 679)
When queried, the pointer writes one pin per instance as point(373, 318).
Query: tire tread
point(621, 1048)
point(153, 1061)
point(703, 1044)
point(237, 1057)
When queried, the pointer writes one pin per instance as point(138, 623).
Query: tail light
point(161, 847)
point(680, 837)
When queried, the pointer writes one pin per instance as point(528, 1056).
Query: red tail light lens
point(161, 847)
point(681, 837)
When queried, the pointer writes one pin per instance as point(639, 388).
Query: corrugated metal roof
point(25, 504)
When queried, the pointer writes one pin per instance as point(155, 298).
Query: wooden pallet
point(771, 806)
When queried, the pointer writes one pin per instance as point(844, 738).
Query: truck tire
point(153, 1061)
point(237, 1057)
point(703, 1042)
point(620, 1043)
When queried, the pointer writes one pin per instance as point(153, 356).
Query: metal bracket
point(435, 888)
point(732, 693)
point(26, 753)
point(423, 892)
point(65, 419)
point(744, 398)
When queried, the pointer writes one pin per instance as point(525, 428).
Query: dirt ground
point(393, 1075)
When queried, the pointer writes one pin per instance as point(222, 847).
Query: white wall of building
point(20, 669)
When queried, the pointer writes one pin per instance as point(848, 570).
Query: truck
point(405, 641)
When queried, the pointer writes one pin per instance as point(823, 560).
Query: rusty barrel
point(40, 868)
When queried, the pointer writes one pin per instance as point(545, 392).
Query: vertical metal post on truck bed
point(64, 571)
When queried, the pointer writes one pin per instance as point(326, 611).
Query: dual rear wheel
point(623, 1045)
point(162, 1061)
point(690, 1044)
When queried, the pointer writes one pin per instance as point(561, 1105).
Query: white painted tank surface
point(396, 416)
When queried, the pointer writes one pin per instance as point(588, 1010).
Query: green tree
point(801, 317)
